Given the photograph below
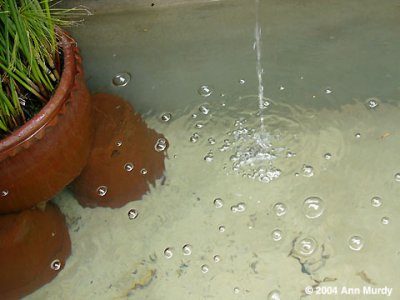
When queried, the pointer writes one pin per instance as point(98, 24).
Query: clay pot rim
point(50, 110)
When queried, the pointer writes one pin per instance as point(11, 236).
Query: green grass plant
point(30, 58)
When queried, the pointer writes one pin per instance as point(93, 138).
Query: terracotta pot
point(40, 158)
point(34, 246)
point(123, 160)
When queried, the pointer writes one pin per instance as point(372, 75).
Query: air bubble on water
point(187, 249)
point(118, 143)
point(55, 265)
point(4, 193)
point(385, 220)
point(143, 171)
point(194, 138)
point(209, 157)
point(397, 177)
point(274, 295)
point(204, 109)
point(290, 154)
point(279, 209)
point(205, 90)
point(313, 207)
point(376, 201)
point(242, 81)
point(357, 135)
point(168, 253)
point(276, 235)
point(328, 91)
point(236, 290)
point(194, 116)
point(204, 268)
point(165, 117)
point(327, 156)
point(281, 88)
point(373, 103)
point(160, 145)
point(221, 228)
point(308, 171)
point(102, 190)
point(199, 125)
point(305, 246)
point(218, 202)
point(217, 258)
point(132, 214)
point(238, 208)
point(356, 243)
point(121, 79)
point(129, 167)
point(211, 141)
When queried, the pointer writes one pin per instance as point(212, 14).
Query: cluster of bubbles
point(238, 208)
point(253, 153)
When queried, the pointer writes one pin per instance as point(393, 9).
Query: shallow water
point(323, 61)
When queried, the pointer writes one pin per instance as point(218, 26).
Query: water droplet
point(205, 91)
point(204, 109)
point(328, 91)
point(221, 228)
point(313, 207)
point(168, 253)
point(306, 246)
point(276, 235)
point(218, 202)
point(187, 249)
point(308, 171)
point(217, 258)
point(204, 268)
point(55, 265)
point(102, 190)
point(132, 214)
point(373, 103)
point(356, 243)
point(274, 295)
point(166, 117)
point(143, 171)
point(397, 177)
point(236, 290)
point(385, 220)
point(129, 167)
point(4, 193)
point(121, 79)
point(160, 145)
point(118, 143)
point(279, 209)
point(209, 157)
point(194, 138)
point(327, 156)
point(242, 81)
point(212, 142)
point(376, 201)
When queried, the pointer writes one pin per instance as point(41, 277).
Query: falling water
point(259, 69)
